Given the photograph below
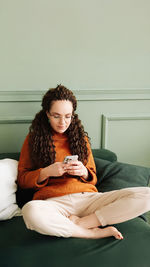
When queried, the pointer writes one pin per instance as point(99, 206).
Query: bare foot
point(97, 233)
point(106, 232)
point(94, 233)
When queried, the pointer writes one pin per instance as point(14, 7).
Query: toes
point(119, 236)
point(116, 234)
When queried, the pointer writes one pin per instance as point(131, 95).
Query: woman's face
point(60, 115)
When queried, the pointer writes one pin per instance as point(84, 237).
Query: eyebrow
point(56, 113)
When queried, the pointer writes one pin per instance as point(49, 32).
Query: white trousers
point(50, 217)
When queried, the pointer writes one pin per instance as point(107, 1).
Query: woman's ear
point(47, 113)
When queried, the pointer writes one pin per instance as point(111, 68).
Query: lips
point(61, 127)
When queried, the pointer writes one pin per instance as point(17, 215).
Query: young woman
point(66, 202)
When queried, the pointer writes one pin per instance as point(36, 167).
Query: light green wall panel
point(12, 136)
point(129, 136)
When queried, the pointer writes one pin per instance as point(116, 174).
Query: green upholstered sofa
point(20, 247)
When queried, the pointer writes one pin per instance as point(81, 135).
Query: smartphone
point(69, 158)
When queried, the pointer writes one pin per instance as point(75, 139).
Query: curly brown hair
point(42, 148)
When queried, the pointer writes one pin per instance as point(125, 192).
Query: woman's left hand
point(76, 168)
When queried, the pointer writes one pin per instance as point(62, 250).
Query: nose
point(62, 120)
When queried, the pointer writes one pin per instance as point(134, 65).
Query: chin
point(61, 130)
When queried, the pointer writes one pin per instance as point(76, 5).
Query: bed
point(22, 247)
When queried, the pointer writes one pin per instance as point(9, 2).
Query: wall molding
point(106, 118)
point(16, 120)
point(81, 95)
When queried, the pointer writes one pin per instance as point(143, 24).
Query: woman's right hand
point(55, 169)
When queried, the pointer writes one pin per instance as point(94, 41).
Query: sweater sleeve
point(27, 177)
point(90, 165)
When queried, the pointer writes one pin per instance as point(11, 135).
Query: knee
point(30, 212)
point(142, 193)
point(135, 191)
point(29, 208)
point(147, 191)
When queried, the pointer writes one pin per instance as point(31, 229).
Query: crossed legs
point(58, 217)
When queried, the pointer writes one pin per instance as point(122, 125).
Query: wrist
point(44, 174)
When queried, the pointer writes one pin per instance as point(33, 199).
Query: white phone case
point(69, 158)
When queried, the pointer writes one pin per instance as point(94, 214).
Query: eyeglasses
point(59, 117)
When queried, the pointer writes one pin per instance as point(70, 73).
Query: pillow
point(117, 175)
point(104, 154)
point(8, 187)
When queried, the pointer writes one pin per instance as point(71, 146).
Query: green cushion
point(10, 155)
point(117, 175)
point(104, 154)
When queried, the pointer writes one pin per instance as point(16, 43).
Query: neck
point(58, 134)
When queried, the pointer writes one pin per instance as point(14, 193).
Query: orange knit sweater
point(54, 186)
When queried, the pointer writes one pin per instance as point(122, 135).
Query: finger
point(75, 172)
point(73, 162)
point(73, 168)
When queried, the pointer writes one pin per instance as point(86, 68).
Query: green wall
point(98, 48)
point(83, 44)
